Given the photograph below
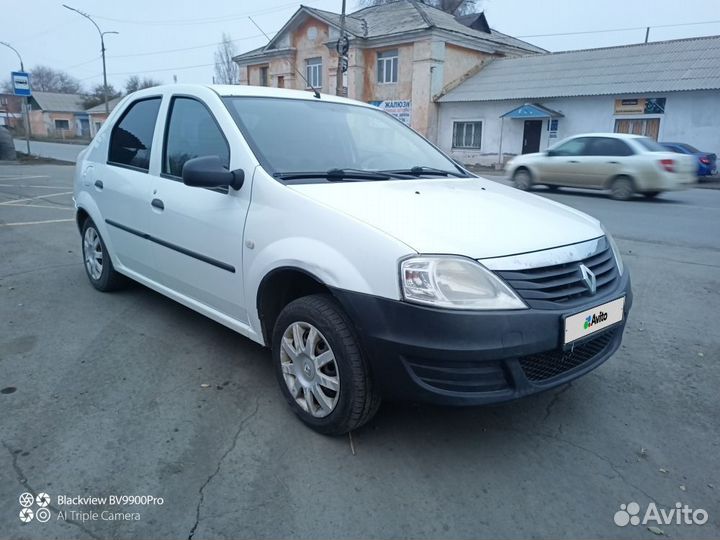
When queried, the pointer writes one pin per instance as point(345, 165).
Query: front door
point(198, 231)
point(531, 136)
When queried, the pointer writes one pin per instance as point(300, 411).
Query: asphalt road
point(109, 400)
point(61, 151)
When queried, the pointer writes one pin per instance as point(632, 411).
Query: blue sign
point(21, 83)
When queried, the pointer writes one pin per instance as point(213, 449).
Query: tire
point(651, 194)
point(313, 397)
point(96, 260)
point(522, 179)
point(622, 188)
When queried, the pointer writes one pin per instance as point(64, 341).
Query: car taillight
point(668, 164)
point(705, 160)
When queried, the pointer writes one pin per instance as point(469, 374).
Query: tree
point(97, 95)
point(134, 83)
point(454, 7)
point(226, 70)
point(47, 79)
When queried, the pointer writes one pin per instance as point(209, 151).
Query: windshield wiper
point(420, 171)
point(334, 175)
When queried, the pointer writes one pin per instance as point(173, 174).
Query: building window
point(387, 67)
point(314, 72)
point(649, 127)
point(62, 124)
point(467, 134)
point(263, 75)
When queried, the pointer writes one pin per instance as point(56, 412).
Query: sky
point(166, 38)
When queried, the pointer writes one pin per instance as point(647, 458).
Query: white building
point(667, 90)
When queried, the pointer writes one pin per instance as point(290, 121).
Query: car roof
point(613, 135)
point(241, 90)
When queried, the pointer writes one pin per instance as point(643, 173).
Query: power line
point(618, 29)
point(214, 44)
point(195, 21)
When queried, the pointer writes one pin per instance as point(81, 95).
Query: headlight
point(615, 249)
point(455, 283)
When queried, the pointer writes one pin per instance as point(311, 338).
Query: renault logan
point(369, 262)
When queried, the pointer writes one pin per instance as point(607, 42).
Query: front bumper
point(452, 357)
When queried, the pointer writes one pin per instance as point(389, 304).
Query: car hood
point(474, 217)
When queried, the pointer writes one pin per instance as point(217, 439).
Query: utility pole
point(102, 51)
point(25, 109)
point(342, 50)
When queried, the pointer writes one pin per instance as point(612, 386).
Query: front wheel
point(320, 367)
point(522, 179)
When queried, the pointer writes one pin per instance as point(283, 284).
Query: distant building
point(97, 115)
point(667, 90)
point(401, 54)
point(58, 116)
point(11, 112)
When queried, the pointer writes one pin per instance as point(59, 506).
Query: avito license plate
point(594, 319)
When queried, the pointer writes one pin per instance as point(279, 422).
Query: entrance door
point(531, 136)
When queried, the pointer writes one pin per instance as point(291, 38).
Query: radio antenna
point(315, 92)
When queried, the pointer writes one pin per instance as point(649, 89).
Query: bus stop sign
point(21, 83)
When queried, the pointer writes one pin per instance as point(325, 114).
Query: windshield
point(689, 148)
point(650, 145)
point(306, 136)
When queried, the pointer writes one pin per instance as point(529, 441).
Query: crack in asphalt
point(599, 456)
point(22, 479)
point(201, 491)
point(555, 399)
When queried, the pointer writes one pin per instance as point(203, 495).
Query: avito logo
point(594, 319)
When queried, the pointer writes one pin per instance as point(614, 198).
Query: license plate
point(594, 319)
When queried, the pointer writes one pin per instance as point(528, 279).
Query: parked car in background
point(371, 264)
point(623, 163)
point(706, 161)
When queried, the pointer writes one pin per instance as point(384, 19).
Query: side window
point(606, 146)
point(191, 132)
point(574, 147)
point(131, 138)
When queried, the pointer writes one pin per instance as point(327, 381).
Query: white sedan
point(625, 164)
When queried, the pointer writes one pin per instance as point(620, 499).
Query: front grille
point(561, 285)
point(543, 366)
point(459, 376)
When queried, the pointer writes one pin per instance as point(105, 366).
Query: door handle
point(157, 203)
point(573, 161)
point(99, 184)
point(614, 162)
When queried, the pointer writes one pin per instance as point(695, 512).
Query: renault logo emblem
point(588, 278)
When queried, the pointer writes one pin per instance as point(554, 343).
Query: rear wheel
point(320, 367)
point(622, 188)
point(522, 179)
point(98, 266)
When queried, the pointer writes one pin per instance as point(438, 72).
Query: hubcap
point(92, 251)
point(309, 369)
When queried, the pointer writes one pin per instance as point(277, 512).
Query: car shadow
point(598, 194)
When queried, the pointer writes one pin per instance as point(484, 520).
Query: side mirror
point(209, 172)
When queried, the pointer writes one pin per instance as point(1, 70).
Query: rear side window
point(650, 145)
point(607, 146)
point(131, 138)
point(192, 132)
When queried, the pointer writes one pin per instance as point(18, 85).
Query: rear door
point(122, 185)
point(606, 158)
point(198, 232)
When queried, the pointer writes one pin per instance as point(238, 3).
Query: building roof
point(662, 66)
point(52, 101)
point(399, 18)
point(101, 108)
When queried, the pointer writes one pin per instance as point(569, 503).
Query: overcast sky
point(162, 38)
